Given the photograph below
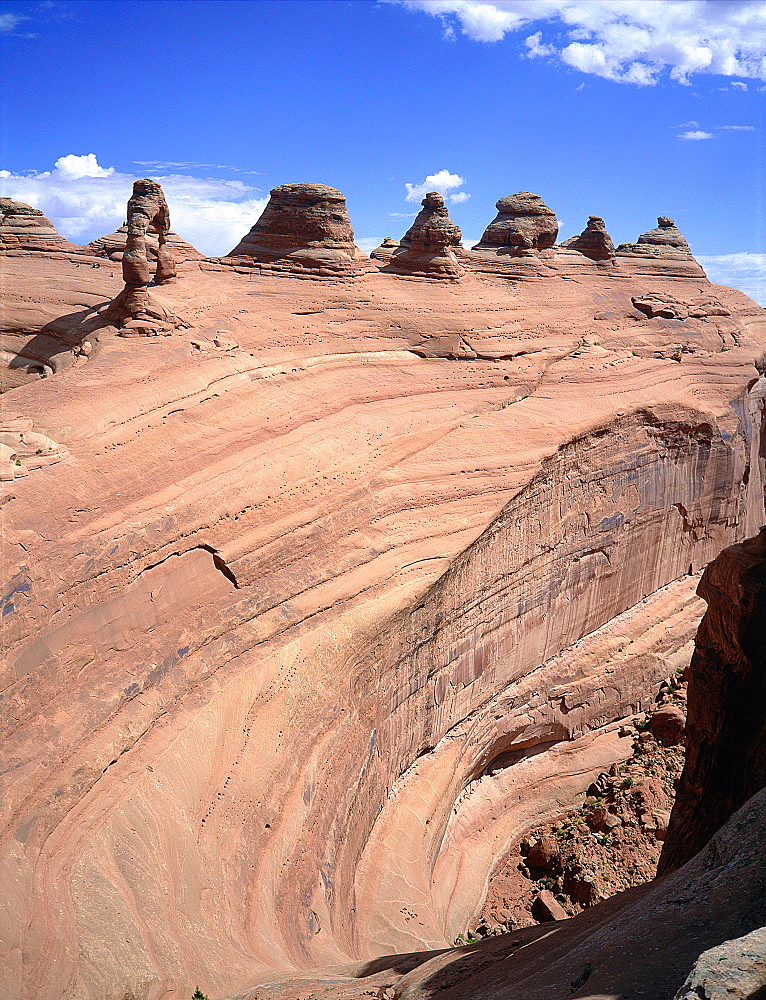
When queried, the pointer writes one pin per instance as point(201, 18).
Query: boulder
point(667, 725)
point(304, 229)
point(543, 853)
point(546, 907)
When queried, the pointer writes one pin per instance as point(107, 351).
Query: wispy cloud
point(443, 181)
point(85, 200)
point(629, 41)
point(191, 165)
point(737, 128)
point(696, 136)
point(9, 22)
point(746, 271)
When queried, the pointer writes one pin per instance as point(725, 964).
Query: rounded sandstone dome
point(523, 203)
point(307, 191)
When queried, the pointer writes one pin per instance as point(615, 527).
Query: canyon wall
point(338, 589)
point(726, 727)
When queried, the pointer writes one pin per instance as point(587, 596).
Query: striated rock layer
point(304, 229)
point(663, 250)
point(697, 933)
point(113, 246)
point(726, 727)
point(25, 228)
point(332, 595)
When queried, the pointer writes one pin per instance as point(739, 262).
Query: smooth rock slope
point(334, 592)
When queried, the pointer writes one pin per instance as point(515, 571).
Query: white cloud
point(74, 167)
point(746, 271)
point(695, 136)
point(459, 198)
point(9, 22)
point(442, 181)
point(630, 41)
point(739, 85)
point(536, 47)
point(85, 200)
point(738, 128)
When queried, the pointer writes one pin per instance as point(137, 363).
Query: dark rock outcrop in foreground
point(523, 224)
point(25, 228)
point(304, 229)
point(726, 728)
point(427, 248)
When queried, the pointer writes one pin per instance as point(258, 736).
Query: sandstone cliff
point(336, 592)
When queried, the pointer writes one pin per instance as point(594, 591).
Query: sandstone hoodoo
point(304, 229)
point(428, 247)
point(148, 212)
point(661, 251)
point(594, 241)
point(385, 250)
point(113, 246)
point(665, 235)
point(523, 224)
point(25, 228)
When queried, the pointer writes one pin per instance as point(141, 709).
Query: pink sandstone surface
point(334, 592)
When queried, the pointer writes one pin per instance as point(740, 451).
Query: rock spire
point(428, 247)
point(594, 241)
point(147, 212)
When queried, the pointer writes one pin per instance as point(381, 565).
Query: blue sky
point(628, 109)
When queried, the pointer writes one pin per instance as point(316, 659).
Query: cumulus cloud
point(443, 181)
point(459, 198)
point(746, 271)
point(630, 41)
point(85, 200)
point(695, 136)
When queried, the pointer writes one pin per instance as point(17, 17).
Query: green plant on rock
point(199, 995)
